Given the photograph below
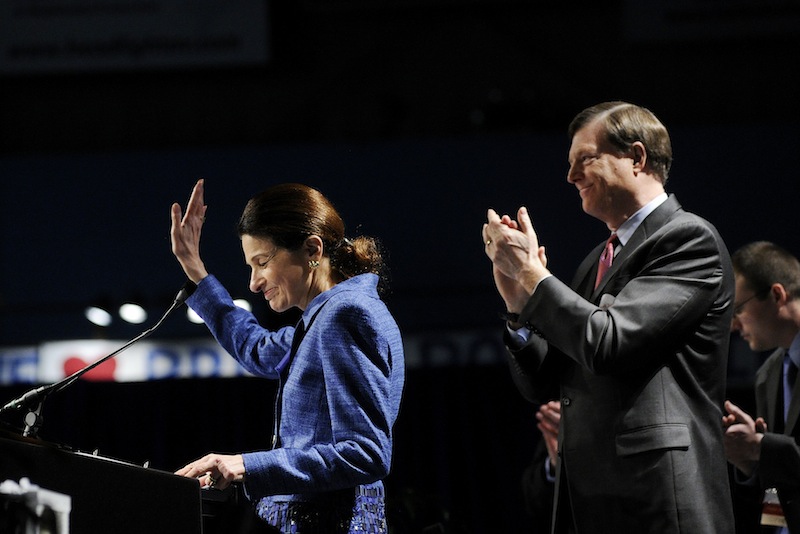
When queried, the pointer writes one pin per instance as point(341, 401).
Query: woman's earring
point(313, 264)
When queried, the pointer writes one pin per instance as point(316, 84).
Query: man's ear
point(779, 294)
point(639, 156)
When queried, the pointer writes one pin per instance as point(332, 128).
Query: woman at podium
point(340, 369)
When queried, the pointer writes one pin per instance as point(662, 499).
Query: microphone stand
point(34, 399)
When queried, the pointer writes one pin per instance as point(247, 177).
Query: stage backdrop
point(86, 227)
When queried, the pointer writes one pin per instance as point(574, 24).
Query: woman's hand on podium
point(215, 470)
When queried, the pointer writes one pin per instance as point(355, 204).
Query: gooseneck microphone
point(33, 399)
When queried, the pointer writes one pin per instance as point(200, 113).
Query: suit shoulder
point(773, 360)
point(692, 222)
point(689, 226)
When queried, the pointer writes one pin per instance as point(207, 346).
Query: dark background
point(413, 117)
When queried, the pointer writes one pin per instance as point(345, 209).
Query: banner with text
point(204, 358)
point(50, 36)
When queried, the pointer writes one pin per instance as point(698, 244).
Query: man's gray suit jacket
point(640, 367)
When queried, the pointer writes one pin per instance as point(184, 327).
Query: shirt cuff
point(519, 336)
point(523, 334)
point(548, 468)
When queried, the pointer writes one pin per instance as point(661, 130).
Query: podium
point(107, 495)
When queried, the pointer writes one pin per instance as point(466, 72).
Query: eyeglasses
point(737, 308)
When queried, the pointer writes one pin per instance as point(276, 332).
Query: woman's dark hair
point(287, 214)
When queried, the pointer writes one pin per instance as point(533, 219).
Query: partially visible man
point(637, 344)
point(767, 315)
point(538, 478)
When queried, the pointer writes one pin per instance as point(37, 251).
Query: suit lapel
point(653, 222)
point(794, 408)
point(583, 282)
point(772, 383)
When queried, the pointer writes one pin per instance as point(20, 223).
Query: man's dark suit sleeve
point(538, 491)
point(668, 292)
point(779, 467)
point(533, 373)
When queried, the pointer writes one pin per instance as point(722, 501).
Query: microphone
point(37, 395)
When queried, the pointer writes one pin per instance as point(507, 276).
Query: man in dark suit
point(638, 352)
point(539, 476)
point(767, 316)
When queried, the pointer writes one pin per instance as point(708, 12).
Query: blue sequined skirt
point(361, 510)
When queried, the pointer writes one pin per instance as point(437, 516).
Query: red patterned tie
point(606, 258)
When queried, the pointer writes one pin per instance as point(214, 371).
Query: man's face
point(603, 176)
point(755, 317)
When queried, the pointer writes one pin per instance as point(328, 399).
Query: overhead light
point(98, 315)
point(193, 317)
point(244, 304)
point(196, 319)
point(132, 313)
